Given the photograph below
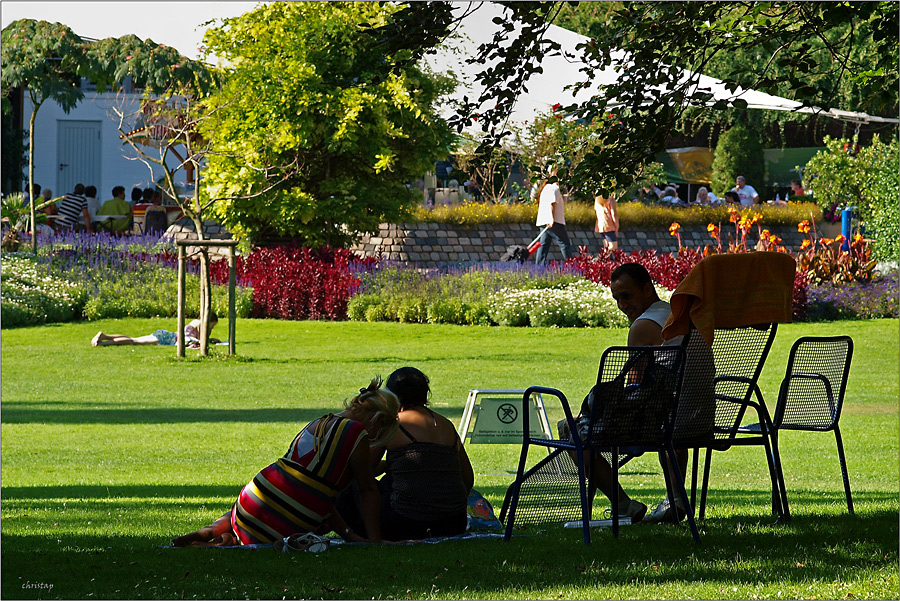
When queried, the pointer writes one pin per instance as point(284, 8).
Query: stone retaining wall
point(431, 244)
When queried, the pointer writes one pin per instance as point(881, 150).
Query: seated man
point(635, 295)
point(117, 205)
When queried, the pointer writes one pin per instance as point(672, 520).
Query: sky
point(175, 24)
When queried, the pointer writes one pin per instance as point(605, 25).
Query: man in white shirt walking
point(552, 213)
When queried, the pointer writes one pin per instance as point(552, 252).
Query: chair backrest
point(156, 221)
point(634, 399)
point(738, 355)
point(812, 391)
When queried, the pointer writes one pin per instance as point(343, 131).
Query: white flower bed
point(580, 303)
point(30, 296)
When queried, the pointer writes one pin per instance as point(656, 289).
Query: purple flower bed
point(854, 301)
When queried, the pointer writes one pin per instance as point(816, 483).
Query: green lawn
point(110, 452)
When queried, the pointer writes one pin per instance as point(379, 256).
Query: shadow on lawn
point(159, 415)
point(806, 552)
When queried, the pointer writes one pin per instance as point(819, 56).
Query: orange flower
point(805, 244)
point(803, 227)
point(764, 235)
point(775, 240)
point(757, 217)
point(710, 228)
point(673, 229)
point(857, 238)
point(826, 241)
point(840, 238)
point(734, 216)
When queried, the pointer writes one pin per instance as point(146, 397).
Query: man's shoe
point(632, 511)
point(663, 513)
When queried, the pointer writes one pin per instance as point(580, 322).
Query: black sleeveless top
point(427, 480)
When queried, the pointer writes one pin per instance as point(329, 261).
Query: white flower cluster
point(26, 286)
point(580, 303)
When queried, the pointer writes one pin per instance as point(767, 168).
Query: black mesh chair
point(812, 394)
point(631, 409)
point(738, 355)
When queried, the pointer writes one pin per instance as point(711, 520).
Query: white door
point(78, 154)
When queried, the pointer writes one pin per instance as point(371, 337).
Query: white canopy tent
point(543, 90)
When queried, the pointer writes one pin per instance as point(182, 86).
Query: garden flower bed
point(97, 276)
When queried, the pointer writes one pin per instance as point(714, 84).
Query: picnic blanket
point(733, 291)
point(339, 542)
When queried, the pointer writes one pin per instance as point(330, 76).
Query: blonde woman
point(297, 493)
point(607, 221)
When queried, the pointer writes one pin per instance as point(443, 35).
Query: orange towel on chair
point(733, 291)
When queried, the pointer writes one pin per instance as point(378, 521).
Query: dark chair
point(631, 410)
point(155, 221)
point(812, 394)
point(739, 355)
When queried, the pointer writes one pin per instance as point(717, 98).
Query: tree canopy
point(313, 137)
point(814, 45)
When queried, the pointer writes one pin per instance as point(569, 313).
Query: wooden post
point(232, 285)
point(231, 292)
point(179, 333)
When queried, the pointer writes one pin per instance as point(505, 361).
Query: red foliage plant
point(667, 270)
point(291, 282)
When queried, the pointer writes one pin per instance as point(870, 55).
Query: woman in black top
point(427, 474)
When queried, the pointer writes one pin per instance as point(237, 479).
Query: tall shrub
point(846, 175)
point(739, 152)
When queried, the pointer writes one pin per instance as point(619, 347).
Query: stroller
point(521, 254)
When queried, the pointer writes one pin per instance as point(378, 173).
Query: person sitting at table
point(161, 337)
point(117, 205)
point(732, 198)
point(705, 197)
point(296, 494)
point(93, 205)
point(156, 218)
point(136, 196)
point(797, 188)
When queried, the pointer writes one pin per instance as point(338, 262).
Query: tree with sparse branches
point(658, 74)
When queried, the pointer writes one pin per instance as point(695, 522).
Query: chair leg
point(696, 462)
point(702, 514)
point(777, 508)
point(840, 446)
point(517, 485)
point(585, 513)
point(688, 507)
point(614, 499)
point(776, 455)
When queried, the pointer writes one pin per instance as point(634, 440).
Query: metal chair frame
point(832, 376)
point(740, 354)
point(599, 442)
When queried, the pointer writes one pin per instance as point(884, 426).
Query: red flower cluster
point(290, 282)
point(667, 269)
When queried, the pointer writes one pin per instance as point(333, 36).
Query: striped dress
point(297, 492)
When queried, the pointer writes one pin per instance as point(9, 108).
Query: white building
point(83, 145)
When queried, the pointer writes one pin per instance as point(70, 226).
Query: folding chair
point(631, 410)
point(729, 306)
point(812, 394)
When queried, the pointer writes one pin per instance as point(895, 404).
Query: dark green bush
point(738, 152)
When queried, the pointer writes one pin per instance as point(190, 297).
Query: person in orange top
point(607, 221)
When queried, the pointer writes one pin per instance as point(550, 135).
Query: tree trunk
point(205, 288)
point(34, 110)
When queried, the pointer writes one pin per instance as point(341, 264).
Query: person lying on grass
point(297, 493)
point(428, 475)
point(163, 337)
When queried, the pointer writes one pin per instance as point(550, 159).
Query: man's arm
point(87, 219)
point(645, 332)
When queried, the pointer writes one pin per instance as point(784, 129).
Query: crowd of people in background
point(741, 194)
point(83, 210)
